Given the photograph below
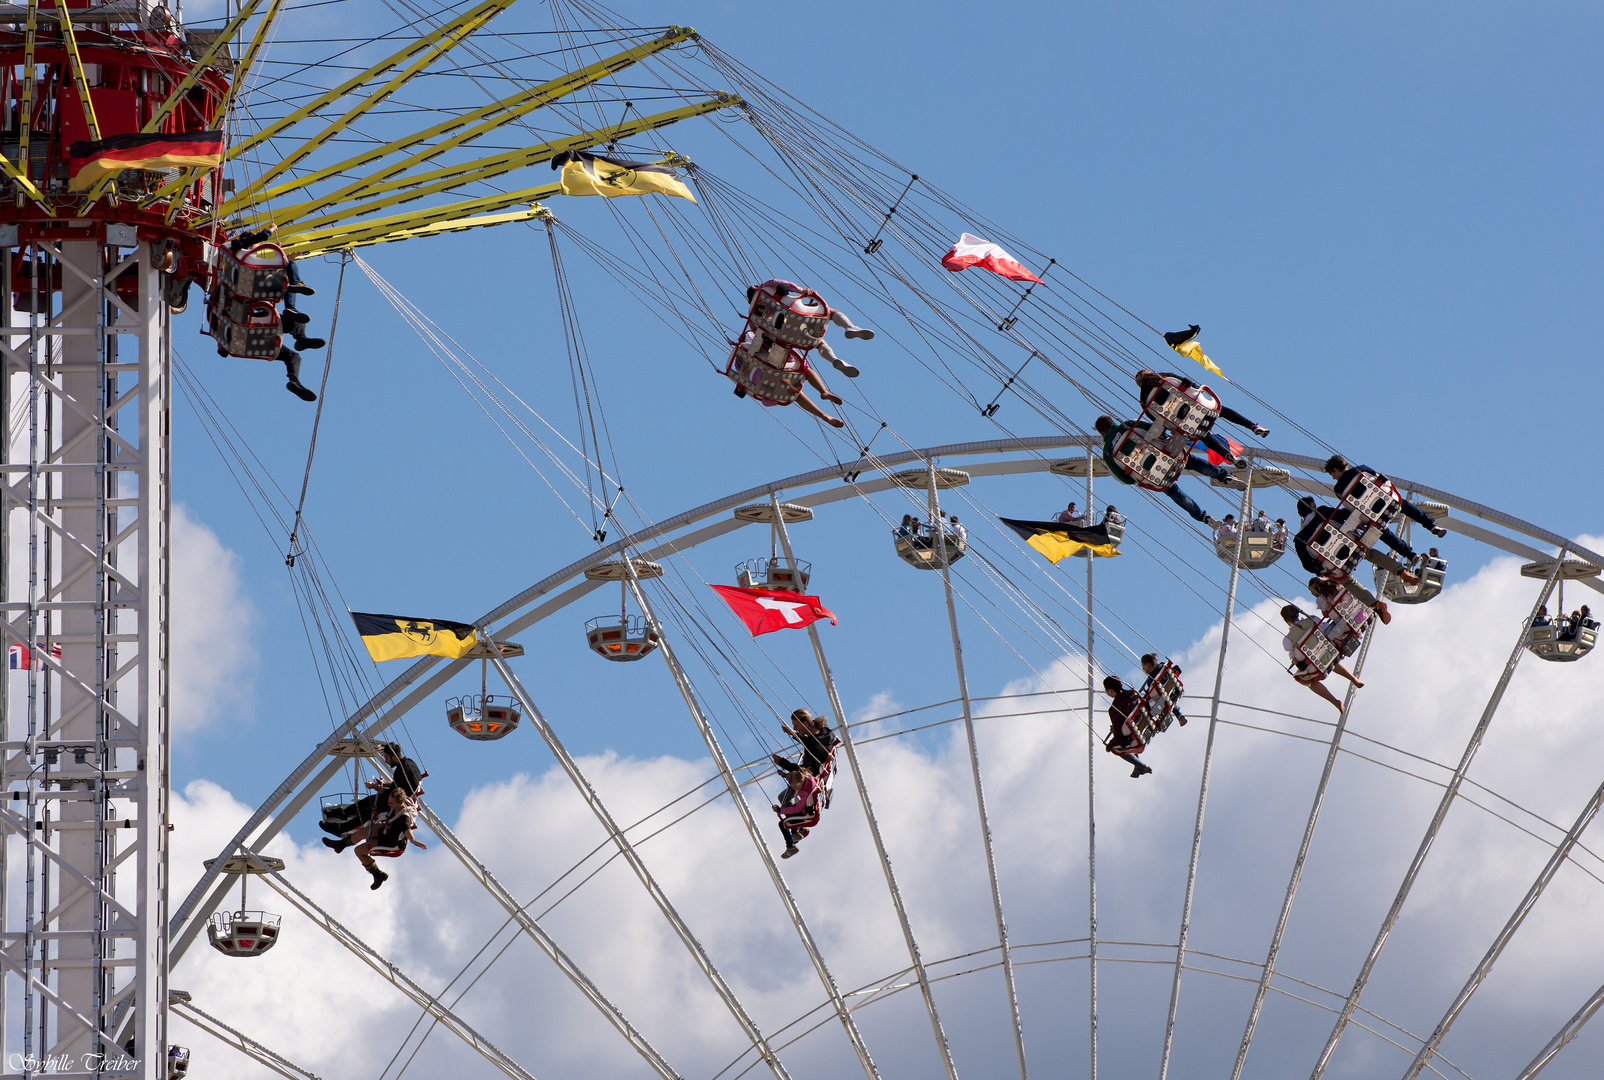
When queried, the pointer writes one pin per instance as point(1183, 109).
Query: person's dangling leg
point(1206, 467)
point(1138, 767)
point(844, 321)
point(1392, 540)
point(1230, 414)
point(1219, 446)
point(1320, 689)
point(1388, 563)
point(841, 365)
point(292, 367)
point(1184, 501)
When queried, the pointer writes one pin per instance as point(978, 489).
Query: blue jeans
point(1416, 514)
point(1184, 501)
point(1391, 539)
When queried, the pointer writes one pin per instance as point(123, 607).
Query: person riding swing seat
point(769, 362)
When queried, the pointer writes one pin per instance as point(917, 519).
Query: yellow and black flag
point(1061, 541)
point(396, 637)
point(592, 174)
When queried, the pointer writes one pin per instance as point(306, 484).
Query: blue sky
point(1384, 217)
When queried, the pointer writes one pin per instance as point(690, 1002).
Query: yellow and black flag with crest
point(1061, 541)
point(396, 637)
point(584, 173)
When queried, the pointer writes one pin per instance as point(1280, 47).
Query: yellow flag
point(1058, 542)
point(1195, 351)
point(592, 174)
point(397, 637)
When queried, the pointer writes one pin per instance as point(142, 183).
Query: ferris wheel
point(643, 564)
point(143, 158)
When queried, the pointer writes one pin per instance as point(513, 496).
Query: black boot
point(338, 828)
point(336, 845)
point(292, 365)
point(309, 342)
point(294, 321)
point(379, 877)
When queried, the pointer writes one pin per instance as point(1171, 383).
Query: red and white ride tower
point(84, 554)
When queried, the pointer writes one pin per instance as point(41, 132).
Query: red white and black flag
point(764, 610)
point(88, 161)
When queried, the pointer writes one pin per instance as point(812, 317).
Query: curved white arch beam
point(423, 678)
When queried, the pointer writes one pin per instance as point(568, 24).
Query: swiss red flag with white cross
point(764, 610)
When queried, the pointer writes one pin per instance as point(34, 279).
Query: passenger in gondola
point(1227, 529)
point(1569, 628)
point(1151, 667)
point(1313, 516)
point(1278, 535)
point(1147, 381)
point(1110, 431)
point(1260, 524)
point(1325, 592)
point(1310, 676)
point(390, 831)
point(1541, 618)
point(404, 774)
point(1120, 733)
point(958, 532)
point(1070, 515)
point(1112, 518)
point(816, 739)
point(795, 805)
point(1345, 475)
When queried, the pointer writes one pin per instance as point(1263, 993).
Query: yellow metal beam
point(29, 76)
point(444, 41)
point(24, 185)
point(419, 218)
point(344, 242)
point(474, 124)
point(188, 81)
point(77, 65)
point(176, 188)
point(324, 99)
point(396, 192)
point(247, 9)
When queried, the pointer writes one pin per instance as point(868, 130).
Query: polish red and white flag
point(973, 251)
point(764, 611)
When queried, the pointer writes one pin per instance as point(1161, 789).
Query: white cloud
point(1428, 678)
point(212, 654)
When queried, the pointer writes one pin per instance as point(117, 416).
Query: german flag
point(1061, 541)
point(88, 161)
point(593, 174)
point(396, 637)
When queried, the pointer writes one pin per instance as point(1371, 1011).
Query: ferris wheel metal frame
point(420, 681)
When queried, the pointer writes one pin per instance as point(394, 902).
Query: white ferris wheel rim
point(1000, 457)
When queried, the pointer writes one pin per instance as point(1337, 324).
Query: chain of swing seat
point(317, 419)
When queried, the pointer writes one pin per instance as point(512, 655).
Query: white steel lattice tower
point(85, 599)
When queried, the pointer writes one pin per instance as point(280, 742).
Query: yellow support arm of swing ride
point(289, 239)
point(176, 188)
point(345, 242)
point(482, 121)
point(406, 189)
point(29, 75)
point(77, 64)
point(453, 217)
point(443, 41)
point(24, 185)
point(184, 86)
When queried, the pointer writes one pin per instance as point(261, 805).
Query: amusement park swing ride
point(140, 173)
